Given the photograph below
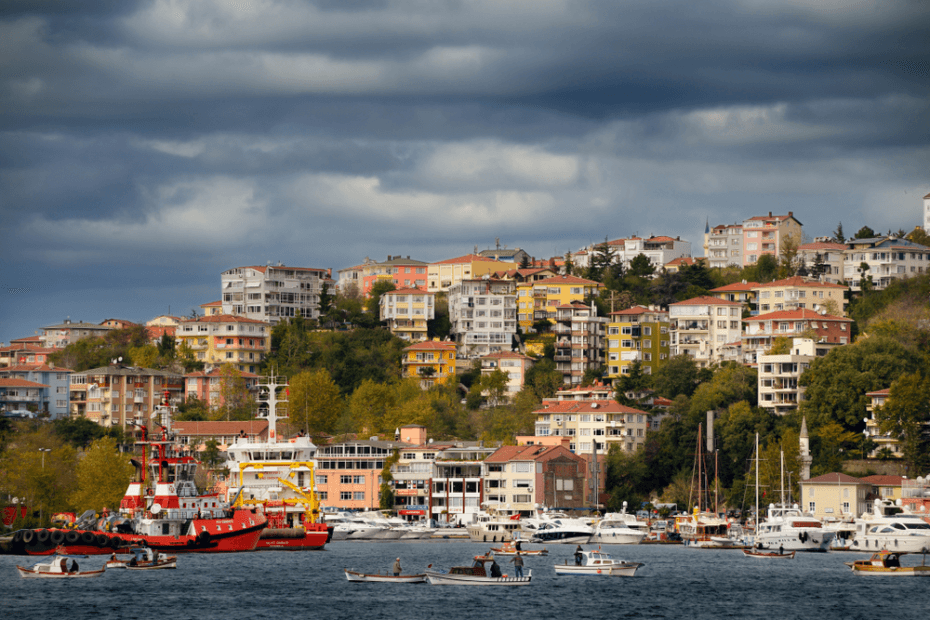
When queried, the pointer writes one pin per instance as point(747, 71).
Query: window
point(345, 479)
point(321, 479)
point(345, 495)
point(358, 480)
point(811, 506)
point(359, 496)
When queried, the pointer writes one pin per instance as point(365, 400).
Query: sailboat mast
point(757, 484)
point(783, 478)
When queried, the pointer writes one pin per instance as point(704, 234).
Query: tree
point(314, 402)
point(569, 264)
point(378, 289)
point(838, 233)
point(192, 410)
point(865, 279)
point(81, 432)
point(543, 378)
point(440, 325)
point(837, 383)
point(919, 236)
point(635, 383)
point(102, 476)
point(386, 495)
point(368, 405)
point(641, 266)
point(730, 384)
point(864, 233)
point(38, 469)
point(145, 356)
point(235, 402)
point(601, 257)
point(624, 474)
point(494, 386)
point(789, 255)
point(210, 455)
point(906, 414)
point(679, 375)
point(525, 261)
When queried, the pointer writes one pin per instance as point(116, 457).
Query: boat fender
point(29, 536)
point(72, 537)
point(87, 538)
point(42, 536)
point(203, 537)
point(17, 536)
point(57, 537)
point(102, 540)
point(115, 542)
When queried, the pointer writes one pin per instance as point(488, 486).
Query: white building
point(887, 258)
point(659, 250)
point(273, 292)
point(702, 327)
point(779, 392)
point(580, 338)
point(407, 311)
point(483, 313)
point(723, 245)
point(824, 260)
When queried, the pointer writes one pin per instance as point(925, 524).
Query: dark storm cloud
point(145, 147)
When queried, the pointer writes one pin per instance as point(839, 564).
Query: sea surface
point(676, 582)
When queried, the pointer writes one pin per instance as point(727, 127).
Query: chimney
point(790, 213)
point(770, 214)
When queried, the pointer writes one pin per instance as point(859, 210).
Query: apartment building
point(659, 250)
point(60, 336)
point(723, 245)
point(522, 477)
point(430, 362)
point(514, 365)
point(579, 340)
point(887, 259)
point(835, 496)
point(764, 234)
point(637, 334)
point(483, 313)
point(412, 473)
point(702, 327)
point(457, 487)
point(505, 254)
point(927, 214)
point(872, 431)
point(539, 299)
point(116, 395)
point(38, 388)
point(404, 272)
point(592, 425)
point(348, 473)
point(212, 308)
point(161, 326)
point(272, 293)
point(824, 260)
point(761, 331)
point(19, 353)
point(226, 339)
point(443, 275)
point(779, 392)
point(797, 293)
point(206, 386)
point(407, 311)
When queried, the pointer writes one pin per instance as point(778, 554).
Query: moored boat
point(755, 553)
point(57, 567)
point(597, 563)
point(357, 577)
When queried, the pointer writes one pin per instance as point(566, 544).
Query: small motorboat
point(369, 578)
point(57, 567)
point(888, 563)
point(773, 555)
point(476, 575)
point(144, 558)
point(597, 563)
point(509, 549)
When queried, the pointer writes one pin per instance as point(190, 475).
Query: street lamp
point(43, 451)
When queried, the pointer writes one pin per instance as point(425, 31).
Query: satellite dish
point(156, 508)
point(119, 359)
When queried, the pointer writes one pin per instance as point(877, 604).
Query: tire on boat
point(203, 538)
point(42, 536)
point(115, 541)
point(29, 537)
point(57, 537)
point(72, 537)
point(87, 538)
point(102, 540)
point(17, 536)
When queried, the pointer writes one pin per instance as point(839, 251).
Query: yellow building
point(540, 299)
point(637, 334)
point(835, 496)
point(739, 291)
point(431, 362)
point(226, 339)
point(406, 311)
point(797, 293)
point(443, 274)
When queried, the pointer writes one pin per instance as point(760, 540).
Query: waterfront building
point(19, 353)
point(226, 339)
point(457, 488)
point(518, 478)
point(592, 425)
point(161, 326)
point(348, 473)
point(659, 250)
point(637, 334)
point(116, 395)
point(196, 434)
point(835, 496)
point(272, 293)
point(212, 308)
point(483, 315)
point(407, 311)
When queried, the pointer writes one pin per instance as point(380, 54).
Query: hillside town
point(498, 379)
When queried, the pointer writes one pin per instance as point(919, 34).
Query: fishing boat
point(357, 577)
point(475, 575)
point(512, 548)
point(57, 567)
point(756, 553)
point(277, 477)
point(144, 558)
point(597, 563)
point(889, 563)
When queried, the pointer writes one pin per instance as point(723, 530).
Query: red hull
point(316, 537)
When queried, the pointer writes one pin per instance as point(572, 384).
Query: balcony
point(692, 326)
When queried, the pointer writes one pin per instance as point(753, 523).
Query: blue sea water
point(674, 583)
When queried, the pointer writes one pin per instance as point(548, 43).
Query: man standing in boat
point(397, 569)
point(517, 562)
point(578, 555)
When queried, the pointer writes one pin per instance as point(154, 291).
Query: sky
point(146, 147)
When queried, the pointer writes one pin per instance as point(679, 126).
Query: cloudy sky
point(145, 147)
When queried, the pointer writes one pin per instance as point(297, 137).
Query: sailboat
point(703, 528)
point(757, 552)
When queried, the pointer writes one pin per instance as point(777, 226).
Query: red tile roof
point(736, 286)
point(212, 304)
point(794, 315)
point(223, 318)
point(20, 383)
point(468, 258)
point(636, 310)
point(822, 245)
point(408, 291)
point(250, 427)
point(567, 280)
point(706, 300)
point(586, 406)
point(506, 355)
point(661, 239)
point(884, 480)
point(33, 368)
point(833, 478)
point(770, 217)
point(431, 345)
point(799, 281)
point(885, 392)
point(505, 454)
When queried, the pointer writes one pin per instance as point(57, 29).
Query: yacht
point(788, 528)
point(619, 528)
point(493, 526)
point(891, 527)
point(556, 527)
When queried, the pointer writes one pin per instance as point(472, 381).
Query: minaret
point(805, 452)
point(927, 214)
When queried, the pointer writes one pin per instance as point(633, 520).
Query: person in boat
point(495, 569)
point(74, 566)
point(578, 556)
point(781, 550)
point(517, 562)
point(396, 569)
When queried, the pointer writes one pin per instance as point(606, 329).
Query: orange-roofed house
point(761, 331)
point(739, 291)
point(431, 362)
point(765, 234)
point(517, 478)
point(406, 311)
point(514, 365)
point(823, 259)
point(835, 495)
point(403, 272)
point(886, 486)
point(196, 434)
point(212, 308)
point(703, 327)
point(226, 339)
point(443, 274)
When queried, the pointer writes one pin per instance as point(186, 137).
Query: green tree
point(906, 414)
point(386, 496)
point(235, 401)
point(378, 289)
point(837, 383)
point(641, 266)
point(919, 236)
point(368, 405)
point(192, 410)
point(494, 386)
point(543, 378)
point(185, 355)
point(210, 455)
point(788, 255)
point(315, 403)
point(631, 388)
point(838, 233)
point(730, 384)
point(864, 233)
point(81, 432)
point(624, 475)
point(440, 326)
point(145, 356)
point(678, 375)
point(102, 476)
point(601, 257)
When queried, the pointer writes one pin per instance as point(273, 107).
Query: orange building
point(430, 362)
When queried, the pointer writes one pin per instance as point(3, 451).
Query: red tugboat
point(168, 514)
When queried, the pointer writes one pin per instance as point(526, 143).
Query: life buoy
point(18, 536)
point(150, 492)
point(42, 536)
point(72, 537)
point(171, 488)
point(57, 537)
